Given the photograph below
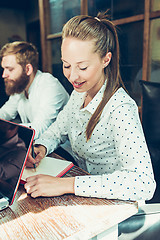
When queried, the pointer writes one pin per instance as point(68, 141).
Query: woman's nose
point(73, 75)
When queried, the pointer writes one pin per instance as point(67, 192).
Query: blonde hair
point(26, 53)
point(103, 33)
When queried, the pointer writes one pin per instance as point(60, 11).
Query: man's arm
point(47, 99)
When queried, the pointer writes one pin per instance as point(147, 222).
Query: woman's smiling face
point(83, 68)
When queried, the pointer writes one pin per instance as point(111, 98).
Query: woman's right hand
point(39, 152)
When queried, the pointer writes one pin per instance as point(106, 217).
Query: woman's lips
point(77, 85)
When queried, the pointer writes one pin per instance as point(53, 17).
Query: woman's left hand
point(48, 186)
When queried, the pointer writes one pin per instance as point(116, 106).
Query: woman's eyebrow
point(84, 61)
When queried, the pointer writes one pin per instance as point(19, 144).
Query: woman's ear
point(107, 59)
point(29, 69)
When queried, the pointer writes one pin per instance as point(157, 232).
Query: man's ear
point(107, 59)
point(29, 69)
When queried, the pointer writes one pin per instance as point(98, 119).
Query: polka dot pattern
point(116, 156)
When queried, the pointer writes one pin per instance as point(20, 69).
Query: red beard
point(17, 86)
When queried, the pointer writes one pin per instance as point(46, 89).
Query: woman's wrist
point(69, 184)
point(42, 147)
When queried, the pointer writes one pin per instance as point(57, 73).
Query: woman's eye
point(83, 68)
point(66, 66)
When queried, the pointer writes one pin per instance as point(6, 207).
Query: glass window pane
point(154, 70)
point(118, 8)
point(125, 8)
point(61, 11)
point(155, 5)
point(95, 6)
point(131, 49)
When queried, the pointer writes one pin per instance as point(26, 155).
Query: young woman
point(100, 120)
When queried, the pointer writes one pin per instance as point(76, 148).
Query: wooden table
point(65, 217)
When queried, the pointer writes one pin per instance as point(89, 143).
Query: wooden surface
point(65, 217)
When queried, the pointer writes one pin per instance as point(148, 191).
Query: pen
point(33, 154)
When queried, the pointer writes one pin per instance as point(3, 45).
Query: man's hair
point(26, 53)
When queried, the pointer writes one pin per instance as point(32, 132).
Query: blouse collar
point(93, 104)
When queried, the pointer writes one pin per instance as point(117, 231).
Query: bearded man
point(36, 96)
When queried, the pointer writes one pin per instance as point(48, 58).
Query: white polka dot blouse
point(116, 155)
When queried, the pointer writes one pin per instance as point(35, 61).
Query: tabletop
point(64, 217)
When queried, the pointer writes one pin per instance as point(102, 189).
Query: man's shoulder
point(15, 97)
point(45, 81)
point(41, 76)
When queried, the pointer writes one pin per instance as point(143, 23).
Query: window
point(154, 54)
point(61, 11)
point(138, 24)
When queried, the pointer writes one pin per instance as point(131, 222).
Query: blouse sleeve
point(57, 133)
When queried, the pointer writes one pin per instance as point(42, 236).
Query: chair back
point(151, 127)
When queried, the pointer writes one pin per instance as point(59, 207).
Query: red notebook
point(48, 166)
